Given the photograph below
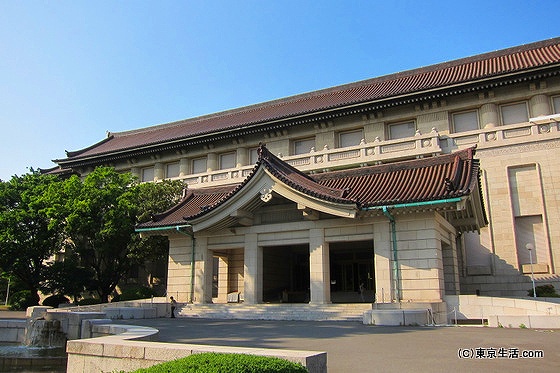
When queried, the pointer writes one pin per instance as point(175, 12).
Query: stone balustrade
point(381, 151)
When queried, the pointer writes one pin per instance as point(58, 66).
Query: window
point(514, 113)
point(466, 121)
point(172, 170)
point(199, 165)
point(148, 174)
point(227, 160)
point(401, 130)
point(253, 155)
point(303, 146)
point(556, 104)
point(350, 138)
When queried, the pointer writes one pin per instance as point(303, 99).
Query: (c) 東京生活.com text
point(499, 353)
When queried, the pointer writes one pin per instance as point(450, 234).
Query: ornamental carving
point(266, 195)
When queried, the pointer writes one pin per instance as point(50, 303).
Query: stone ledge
point(125, 313)
point(525, 321)
point(396, 317)
point(12, 330)
point(126, 352)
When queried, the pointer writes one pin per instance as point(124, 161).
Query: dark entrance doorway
point(286, 274)
point(351, 264)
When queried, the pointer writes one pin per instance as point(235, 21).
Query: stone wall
point(126, 348)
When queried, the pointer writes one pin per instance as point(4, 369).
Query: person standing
point(173, 306)
point(362, 290)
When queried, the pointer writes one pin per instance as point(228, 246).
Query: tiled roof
point(194, 202)
point(300, 181)
point(448, 75)
point(442, 177)
point(428, 179)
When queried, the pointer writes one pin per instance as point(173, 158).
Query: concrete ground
point(353, 347)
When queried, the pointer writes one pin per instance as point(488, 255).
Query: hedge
point(226, 363)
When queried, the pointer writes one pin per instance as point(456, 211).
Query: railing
point(502, 135)
point(381, 151)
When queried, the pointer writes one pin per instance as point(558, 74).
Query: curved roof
point(428, 179)
point(444, 76)
point(442, 177)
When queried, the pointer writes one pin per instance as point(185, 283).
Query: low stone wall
point(154, 307)
point(12, 331)
point(506, 312)
point(130, 350)
point(397, 317)
point(527, 321)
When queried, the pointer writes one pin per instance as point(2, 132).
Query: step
point(334, 312)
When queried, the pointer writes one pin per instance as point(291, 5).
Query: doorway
point(286, 274)
point(352, 272)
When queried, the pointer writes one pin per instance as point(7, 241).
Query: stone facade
point(514, 126)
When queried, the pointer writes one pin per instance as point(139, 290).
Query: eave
point(326, 114)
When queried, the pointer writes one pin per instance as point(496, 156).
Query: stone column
point(179, 268)
point(382, 261)
point(489, 116)
point(319, 267)
point(203, 271)
point(223, 265)
point(242, 157)
point(212, 162)
point(253, 277)
point(135, 171)
point(159, 172)
point(184, 167)
point(539, 105)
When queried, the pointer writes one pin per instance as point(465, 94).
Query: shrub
point(230, 363)
point(545, 291)
point(55, 300)
point(135, 292)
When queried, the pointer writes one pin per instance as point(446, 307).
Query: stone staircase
point(283, 311)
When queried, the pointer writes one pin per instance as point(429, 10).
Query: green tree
point(100, 221)
point(68, 277)
point(29, 235)
point(102, 211)
point(153, 198)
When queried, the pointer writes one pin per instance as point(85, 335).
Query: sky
point(72, 70)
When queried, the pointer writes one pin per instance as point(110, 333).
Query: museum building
point(406, 187)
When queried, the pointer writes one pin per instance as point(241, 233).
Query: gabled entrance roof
point(448, 183)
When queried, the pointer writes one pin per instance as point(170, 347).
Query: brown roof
point(194, 203)
point(442, 177)
point(428, 179)
point(444, 76)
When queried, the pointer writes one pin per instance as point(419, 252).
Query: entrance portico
point(283, 236)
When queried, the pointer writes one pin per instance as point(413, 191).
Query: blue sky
point(72, 70)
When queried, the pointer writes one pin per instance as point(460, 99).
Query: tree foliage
point(153, 198)
point(100, 222)
point(29, 235)
point(89, 222)
point(102, 211)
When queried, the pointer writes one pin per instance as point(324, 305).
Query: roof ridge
point(378, 89)
point(347, 86)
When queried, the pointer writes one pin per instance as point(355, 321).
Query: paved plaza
point(353, 347)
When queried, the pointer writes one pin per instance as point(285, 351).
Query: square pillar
point(179, 266)
point(382, 262)
point(223, 268)
point(319, 267)
point(253, 276)
point(203, 272)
